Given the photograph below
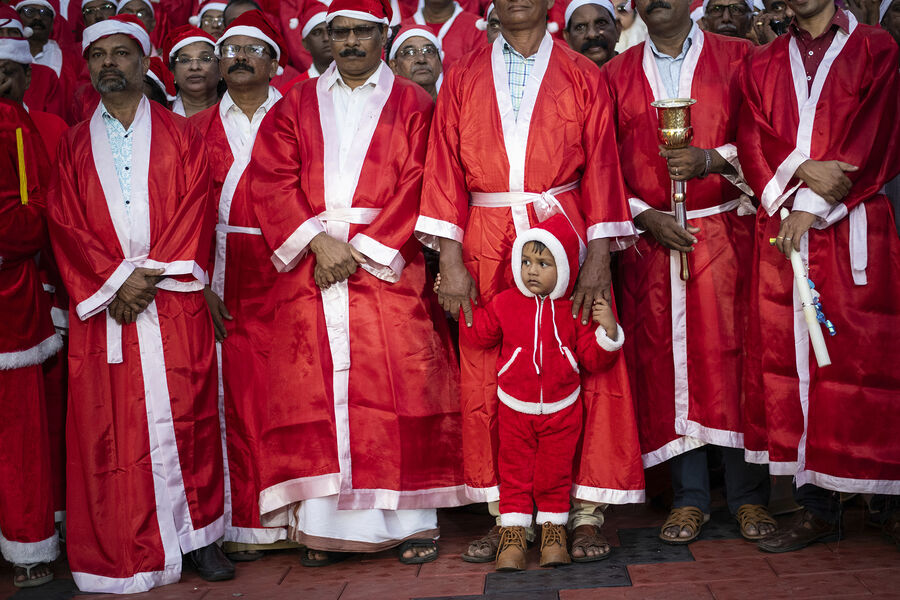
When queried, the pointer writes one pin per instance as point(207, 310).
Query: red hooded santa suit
point(490, 174)
point(694, 394)
point(27, 339)
point(538, 379)
point(358, 366)
point(144, 458)
point(237, 279)
point(833, 426)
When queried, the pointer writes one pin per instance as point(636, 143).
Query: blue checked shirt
point(670, 68)
point(518, 70)
point(121, 143)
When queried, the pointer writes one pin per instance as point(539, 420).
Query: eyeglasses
point(249, 50)
point(409, 52)
point(360, 32)
point(181, 59)
point(107, 8)
point(212, 21)
point(622, 8)
point(735, 10)
point(140, 13)
point(35, 11)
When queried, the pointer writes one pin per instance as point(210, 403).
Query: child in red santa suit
point(539, 386)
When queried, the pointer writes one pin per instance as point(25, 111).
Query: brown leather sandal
point(686, 517)
point(755, 515)
point(585, 536)
point(490, 542)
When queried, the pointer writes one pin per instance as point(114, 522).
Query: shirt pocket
point(509, 363)
point(572, 362)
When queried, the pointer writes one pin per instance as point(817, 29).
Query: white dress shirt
point(348, 107)
point(241, 130)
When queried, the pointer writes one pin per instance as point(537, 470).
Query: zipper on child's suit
point(540, 358)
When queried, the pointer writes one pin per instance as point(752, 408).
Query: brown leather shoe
point(553, 546)
point(511, 552)
point(805, 530)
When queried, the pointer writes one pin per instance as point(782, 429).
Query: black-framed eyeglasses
point(249, 50)
point(206, 59)
point(427, 50)
point(735, 10)
point(107, 8)
point(211, 21)
point(622, 8)
point(35, 11)
point(141, 13)
point(360, 32)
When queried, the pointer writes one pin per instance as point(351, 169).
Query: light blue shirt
point(518, 70)
point(121, 142)
point(670, 68)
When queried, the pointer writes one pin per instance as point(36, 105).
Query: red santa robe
point(694, 394)
point(47, 92)
point(362, 405)
point(144, 453)
point(489, 176)
point(458, 35)
point(66, 67)
point(27, 339)
point(238, 279)
point(834, 426)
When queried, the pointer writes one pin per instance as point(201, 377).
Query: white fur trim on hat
point(195, 20)
point(576, 4)
point(109, 27)
point(122, 3)
point(411, 33)
point(294, 23)
point(559, 255)
point(16, 24)
point(314, 21)
point(187, 42)
point(161, 85)
point(16, 50)
point(356, 14)
point(43, 3)
point(254, 32)
point(482, 23)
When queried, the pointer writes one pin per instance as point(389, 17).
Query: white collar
point(333, 76)
point(227, 103)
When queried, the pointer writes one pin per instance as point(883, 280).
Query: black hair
point(156, 93)
point(536, 246)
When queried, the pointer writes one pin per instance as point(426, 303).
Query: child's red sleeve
point(485, 331)
point(594, 349)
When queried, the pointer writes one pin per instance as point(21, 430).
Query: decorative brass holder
point(675, 131)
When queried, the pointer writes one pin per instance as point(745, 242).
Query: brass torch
point(675, 131)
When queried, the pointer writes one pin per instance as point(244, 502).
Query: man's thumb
point(357, 255)
point(847, 167)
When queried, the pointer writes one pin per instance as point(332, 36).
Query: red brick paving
point(863, 565)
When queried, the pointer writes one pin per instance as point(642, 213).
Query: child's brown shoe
point(511, 552)
point(553, 546)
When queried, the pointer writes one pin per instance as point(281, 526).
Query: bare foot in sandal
point(588, 544)
point(683, 525)
point(32, 575)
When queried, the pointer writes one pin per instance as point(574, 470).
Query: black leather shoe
point(805, 530)
point(211, 563)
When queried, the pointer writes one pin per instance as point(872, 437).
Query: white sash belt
point(859, 245)
point(354, 216)
point(222, 228)
point(710, 211)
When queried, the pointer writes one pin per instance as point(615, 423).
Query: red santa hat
point(128, 25)
point(9, 19)
point(375, 11)
point(254, 23)
point(205, 6)
point(411, 31)
point(576, 4)
point(162, 76)
point(557, 234)
point(183, 36)
point(43, 3)
point(312, 17)
point(122, 3)
point(15, 49)
point(483, 23)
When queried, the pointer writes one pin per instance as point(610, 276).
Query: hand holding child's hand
point(437, 283)
point(603, 315)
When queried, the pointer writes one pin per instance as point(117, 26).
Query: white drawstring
point(555, 332)
point(537, 324)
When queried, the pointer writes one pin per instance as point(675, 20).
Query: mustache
point(115, 72)
point(595, 43)
point(352, 52)
point(241, 67)
point(657, 4)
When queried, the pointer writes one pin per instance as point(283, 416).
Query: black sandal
point(413, 544)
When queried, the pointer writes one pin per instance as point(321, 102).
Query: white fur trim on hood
point(559, 255)
point(32, 356)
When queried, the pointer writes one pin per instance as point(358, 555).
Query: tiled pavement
point(720, 566)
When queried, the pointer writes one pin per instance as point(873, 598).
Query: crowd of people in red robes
point(298, 273)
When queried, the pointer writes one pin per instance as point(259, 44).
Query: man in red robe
point(819, 135)
point(229, 129)
point(453, 26)
point(685, 374)
point(359, 437)
point(27, 339)
point(131, 238)
point(506, 153)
